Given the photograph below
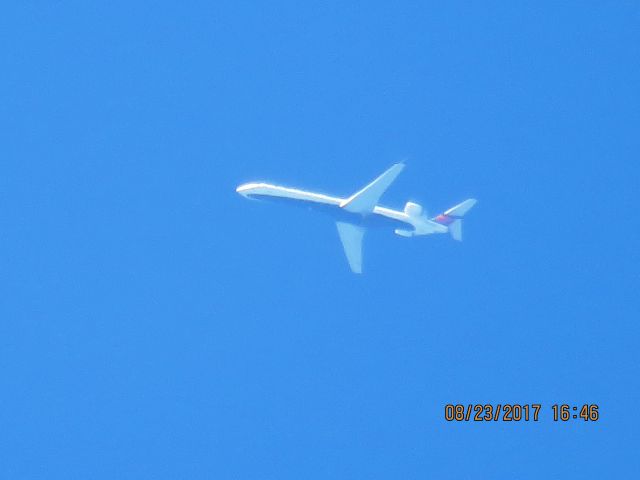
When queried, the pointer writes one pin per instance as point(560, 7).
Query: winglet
point(365, 200)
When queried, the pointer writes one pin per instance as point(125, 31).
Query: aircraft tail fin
point(452, 218)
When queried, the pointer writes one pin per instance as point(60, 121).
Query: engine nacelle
point(413, 209)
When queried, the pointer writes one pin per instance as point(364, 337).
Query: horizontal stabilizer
point(460, 209)
point(455, 229)
point(365, 200)
point(452, 218)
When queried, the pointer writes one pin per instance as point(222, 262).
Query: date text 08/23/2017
point(514, 412)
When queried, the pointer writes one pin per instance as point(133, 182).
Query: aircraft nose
point(244, 189)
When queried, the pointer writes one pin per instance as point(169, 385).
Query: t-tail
point(452, 218)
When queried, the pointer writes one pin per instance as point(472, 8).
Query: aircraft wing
point(365, 200)
point(351, 237)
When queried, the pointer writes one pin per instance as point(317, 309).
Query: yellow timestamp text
point(516, 412)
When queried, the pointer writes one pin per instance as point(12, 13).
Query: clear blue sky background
point(154, 324)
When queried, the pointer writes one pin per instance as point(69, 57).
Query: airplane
point(359, 211)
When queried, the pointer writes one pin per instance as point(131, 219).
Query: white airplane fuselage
point(379, 217)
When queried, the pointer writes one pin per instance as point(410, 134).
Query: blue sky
point(154, 324)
